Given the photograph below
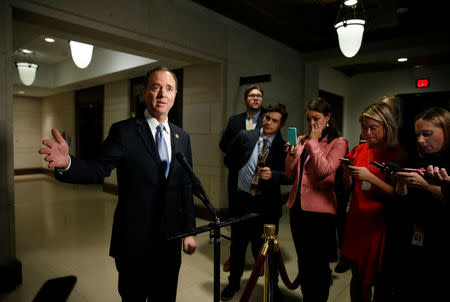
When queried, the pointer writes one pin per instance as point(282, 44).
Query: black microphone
point(183, 161)
point(203, 197)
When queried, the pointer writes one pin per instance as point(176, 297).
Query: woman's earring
point(328, 125)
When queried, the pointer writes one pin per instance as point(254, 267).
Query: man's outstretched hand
point(57, 151)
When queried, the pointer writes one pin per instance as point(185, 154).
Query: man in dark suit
point(261, 171)
point(250, 119)
point(155, 193)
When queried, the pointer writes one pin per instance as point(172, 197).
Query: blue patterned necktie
point(162, 149)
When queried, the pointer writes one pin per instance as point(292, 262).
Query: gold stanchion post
point(270, 236)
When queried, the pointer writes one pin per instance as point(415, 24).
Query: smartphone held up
point(292, 136)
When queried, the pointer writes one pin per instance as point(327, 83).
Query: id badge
point(418, 236)
point(365, 185)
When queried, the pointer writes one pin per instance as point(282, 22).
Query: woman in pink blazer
point(312, 165)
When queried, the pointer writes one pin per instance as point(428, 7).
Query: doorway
point(337, 106)
point(89, 121)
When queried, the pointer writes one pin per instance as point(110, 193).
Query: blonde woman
point(365, 227)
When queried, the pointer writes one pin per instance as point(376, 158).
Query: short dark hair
point(280, 108)
point(250, 88)
point(158, 68)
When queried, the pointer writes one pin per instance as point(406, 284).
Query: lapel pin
point(177, 136)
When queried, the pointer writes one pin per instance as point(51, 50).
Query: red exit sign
point(422, 83)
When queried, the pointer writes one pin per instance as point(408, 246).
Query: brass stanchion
point(270, 236)
point(270, 258)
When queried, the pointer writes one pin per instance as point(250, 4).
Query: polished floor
point(64, 229)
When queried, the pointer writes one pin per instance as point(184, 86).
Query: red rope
point(282, 269)
point(248, 291)
point(259, 263)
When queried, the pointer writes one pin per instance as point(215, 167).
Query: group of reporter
point(398, 221)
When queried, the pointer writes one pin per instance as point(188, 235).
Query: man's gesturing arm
point(57, 151)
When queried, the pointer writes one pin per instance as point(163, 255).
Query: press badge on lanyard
point(418, 236)
point(365, 185)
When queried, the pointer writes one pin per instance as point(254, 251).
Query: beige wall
point(34, 118)
point(58, 111)
point(203, 104)
point(27, 132)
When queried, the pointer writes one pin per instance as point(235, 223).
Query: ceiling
point(419, 30)
point(394, 28)
point(57, 73)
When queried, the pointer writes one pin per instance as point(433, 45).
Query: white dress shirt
point(153, 123)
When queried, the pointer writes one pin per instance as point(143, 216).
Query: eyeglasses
point(257, 96)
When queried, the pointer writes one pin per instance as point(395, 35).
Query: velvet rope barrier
point(248, 291)
point(282, 269)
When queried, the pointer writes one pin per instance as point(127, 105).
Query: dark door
point(89, 121)
point(337, 106)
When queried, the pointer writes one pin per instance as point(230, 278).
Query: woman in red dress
point(365, 226)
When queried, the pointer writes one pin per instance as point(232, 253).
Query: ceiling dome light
point(81, 53)
point(401, 60)
point(26, 51)
point(350, 2)
point(350, 33)
point(27, 72)
point(49, 40)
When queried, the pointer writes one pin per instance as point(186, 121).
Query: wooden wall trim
point(28, 171)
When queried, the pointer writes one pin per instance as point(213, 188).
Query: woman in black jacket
point(418, 249)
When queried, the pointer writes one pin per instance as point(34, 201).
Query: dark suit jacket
point(238, 155)
point(150, 207)
point(236, 123)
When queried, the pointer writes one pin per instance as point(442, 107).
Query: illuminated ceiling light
point(27, 72)
point(49, 40)
point(350, 2)
point(20, 92)
point(350, 31)
point(81, 53)
point(401, 60)
point(26, 51)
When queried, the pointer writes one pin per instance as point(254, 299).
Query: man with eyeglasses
point(155, 192)
point(250, 119)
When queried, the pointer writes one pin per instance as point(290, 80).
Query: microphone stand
point(213, 228)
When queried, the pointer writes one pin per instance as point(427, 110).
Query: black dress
point(417, 256)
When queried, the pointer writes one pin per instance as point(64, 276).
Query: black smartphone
point(346, 161)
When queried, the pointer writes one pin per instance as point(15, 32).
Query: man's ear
point(282, 125)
